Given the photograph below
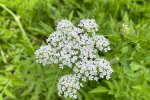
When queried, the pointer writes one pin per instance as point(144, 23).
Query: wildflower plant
point(125, 28)
point(76, 48)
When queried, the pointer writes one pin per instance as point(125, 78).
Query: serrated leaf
point(99, 89)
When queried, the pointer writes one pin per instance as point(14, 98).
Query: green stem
point(24, 35)
point(53, 86)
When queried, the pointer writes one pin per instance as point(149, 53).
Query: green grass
point(25, 24)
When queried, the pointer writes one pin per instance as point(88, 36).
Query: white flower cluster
point(101, 43)
point(89, 25)
point(68, 86)
point(125, 28)
point(75, 47)
point(43, 55)
point(64, 25)
point(93, 69)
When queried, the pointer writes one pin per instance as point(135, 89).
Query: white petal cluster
point(93, 69)
point(86, 47)
point(101, 43)
point(64, 25)
point(43, 55)
point(76, 48)
point(68, 86)
point(89, 25)
point(65, 47)
point(103, 67)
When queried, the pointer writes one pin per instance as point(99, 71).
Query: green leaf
point(52, 87)
point(126, 18)
point(46, 27)
point(9, 67)
point(18, 82)
point(125, 49)
point(71, 15)
point(10, 94)
point(135, 66)
point(1, 97)
point(89, 1)
point(111, 92)
point(3, 79)
point(110, 84)
point(1, 87)
point(86, 95)
point(99, 89)
point(142, 88)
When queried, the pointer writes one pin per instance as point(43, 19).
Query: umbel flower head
point(93, 69)
point(76, 48)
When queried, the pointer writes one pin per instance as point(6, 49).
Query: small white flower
point(68, 86)
point(43, 55)
point(101, 43)
point(64, 25)
point(89, 25)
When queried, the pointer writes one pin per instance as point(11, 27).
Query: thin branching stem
point(24, 35)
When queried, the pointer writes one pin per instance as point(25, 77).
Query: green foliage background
point(25, 25)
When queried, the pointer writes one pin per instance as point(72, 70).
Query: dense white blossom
point(43, 55)
point(68, 86)
point(65, 47)
point(93, 69)
point(74, 47)
point(101, 43)
point(89, 25)
point(64, 25)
